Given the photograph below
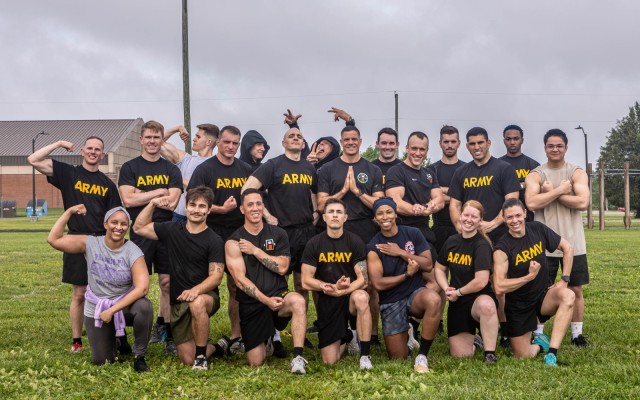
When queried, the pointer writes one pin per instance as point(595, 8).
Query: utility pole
point(185, 75)
point(34, 205)
point(395, 95)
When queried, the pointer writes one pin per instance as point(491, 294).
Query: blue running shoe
point(541, 340)
point(551, 360)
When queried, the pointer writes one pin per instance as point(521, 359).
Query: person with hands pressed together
point(196, 260)
point(118, 281)
point(396, 258)
point(257, 256)
point(472, 304)
point(520, 270)
point(333, 264)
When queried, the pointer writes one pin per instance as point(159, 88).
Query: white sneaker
point(353, 347)
point(297, 365)
point(200, 363)
point(237, 346)
point(421, 365)
point(365, 362)
point(412, 343)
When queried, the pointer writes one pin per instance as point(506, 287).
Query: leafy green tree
point(370, 154)
point(623, 143)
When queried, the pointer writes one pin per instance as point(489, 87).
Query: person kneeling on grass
point(472, 303)
point(396, 258)
point(118, 283)
point(257, 256)
point(521, 271)
point(196, 266)
point(333, 264)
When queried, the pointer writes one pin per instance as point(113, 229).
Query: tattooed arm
point(362, 279)
point(276, 264)
point(235, 263)
point(216, 270)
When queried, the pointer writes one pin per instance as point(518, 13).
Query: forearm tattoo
point(270, 264)
point(363, 268)
point(251, 291)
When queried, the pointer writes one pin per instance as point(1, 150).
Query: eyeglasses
point(555, 146)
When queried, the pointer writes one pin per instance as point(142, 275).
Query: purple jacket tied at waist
point(104, 304)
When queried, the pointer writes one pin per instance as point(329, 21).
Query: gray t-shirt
point(109, 270)
point(187, 165)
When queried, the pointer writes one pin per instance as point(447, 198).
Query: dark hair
point(349, 129)
point(153, 126)
point(200, 192)
point(477, 131)
point(231, 129)
point(419, 135)
point(248, 192)
point(513, 202)
point(558, 133)
point(449, 130)
point(94, 137)
point(388, 131)
point(332, 200)
point(210, 129)
point(512, 127)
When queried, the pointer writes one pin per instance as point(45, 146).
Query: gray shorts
point(395, 316)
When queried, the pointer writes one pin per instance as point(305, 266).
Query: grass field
point(35, 362)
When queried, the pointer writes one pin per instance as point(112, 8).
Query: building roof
point(16, 136)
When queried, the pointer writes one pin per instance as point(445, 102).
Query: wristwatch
point(565, 278)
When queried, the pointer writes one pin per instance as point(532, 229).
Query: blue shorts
point(395, 316)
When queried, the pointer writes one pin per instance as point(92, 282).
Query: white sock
point(355, 334)
point(276, 336)
point(540, 329)
point(576, 329)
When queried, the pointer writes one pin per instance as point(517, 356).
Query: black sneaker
point(140, 365)
point(279, 350)
point(505, 342)
point(223, 343)
point(375, 341)
point(123, 347)
point(308, 344)
point(580, 341)
point(490, 359)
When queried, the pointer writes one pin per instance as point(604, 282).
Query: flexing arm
point(502, 284)
point(580, 199)
point(39, 158)
point(277, 264)
point(216, 270)
point(140, 276)
point(381, 282)
point(72, 244)
point(539, 194)
point(144, 223)
point(132, 197)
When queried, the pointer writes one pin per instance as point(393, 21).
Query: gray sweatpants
point(103, 340)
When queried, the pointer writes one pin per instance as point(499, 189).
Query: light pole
point(34, 216)
point(588, 170)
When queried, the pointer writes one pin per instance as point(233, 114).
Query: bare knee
point(487, 308)
point(164, 281)
point(568, 297)
point(77, 296)
point(198, 305)
point(361, 300)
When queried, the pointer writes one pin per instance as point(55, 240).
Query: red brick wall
point(20, 189)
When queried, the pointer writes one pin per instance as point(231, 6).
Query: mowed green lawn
point(35, 335)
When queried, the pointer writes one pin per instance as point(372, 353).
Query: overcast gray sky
point(541, 65)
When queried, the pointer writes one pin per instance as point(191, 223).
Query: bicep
point(140, 273)
point(374, 266)
point(72, 244)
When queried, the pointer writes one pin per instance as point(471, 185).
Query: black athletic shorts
point(523, 317)
point(365, 228)
point(459, 319)
point(258, 323)
point(442, 233)
point(298, 239)
point(579, 271)
point(333, 318)
point(155, 253)
point(74, 269)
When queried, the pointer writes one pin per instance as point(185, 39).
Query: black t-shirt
point(417, 185)
point(226, 181)
point(384, 167)
point(488, 184)
point(368, 179)
point(147, 176)
point(189, 255)
point(523, 165)
point(290, 184)
point(334, 258)
point(444, 174)
point(93, 189)
point(272, 240)
point(520, 251)
point(464, 257)
point(412, 241)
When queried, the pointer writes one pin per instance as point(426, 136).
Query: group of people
point(357, 234)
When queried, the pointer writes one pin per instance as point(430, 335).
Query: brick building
point(121, 143)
